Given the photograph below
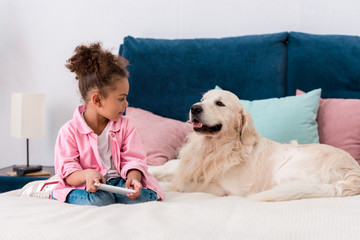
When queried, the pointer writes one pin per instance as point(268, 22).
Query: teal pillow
point(287, 118)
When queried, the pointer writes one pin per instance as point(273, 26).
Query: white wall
point(38, 36)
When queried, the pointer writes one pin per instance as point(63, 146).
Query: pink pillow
point(161, 137)
point(339, 124)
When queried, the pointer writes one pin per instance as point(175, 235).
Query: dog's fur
point(225, 155)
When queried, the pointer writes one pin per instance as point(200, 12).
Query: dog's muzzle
point(196, 119)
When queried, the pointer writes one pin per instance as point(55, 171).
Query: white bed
point(181, 216)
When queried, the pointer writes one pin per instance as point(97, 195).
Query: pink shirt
point(76, 149)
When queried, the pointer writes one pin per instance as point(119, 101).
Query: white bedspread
point(181, 216)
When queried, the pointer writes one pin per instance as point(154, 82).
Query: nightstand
point(8, 183)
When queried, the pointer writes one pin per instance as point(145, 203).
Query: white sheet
point(181, 216)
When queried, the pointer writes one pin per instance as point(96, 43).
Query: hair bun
point(85, 60)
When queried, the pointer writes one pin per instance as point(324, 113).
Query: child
point(100, 145)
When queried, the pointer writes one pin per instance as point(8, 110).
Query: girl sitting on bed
point(100, 145)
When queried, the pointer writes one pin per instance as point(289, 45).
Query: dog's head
point(221, 112)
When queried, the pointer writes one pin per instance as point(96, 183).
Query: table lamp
point(27, 121)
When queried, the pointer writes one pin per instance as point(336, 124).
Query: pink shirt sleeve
point(132, 153)
point(66, 153)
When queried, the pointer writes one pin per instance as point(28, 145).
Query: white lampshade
point(27, 115)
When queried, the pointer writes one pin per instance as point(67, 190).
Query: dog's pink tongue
point(197, 124)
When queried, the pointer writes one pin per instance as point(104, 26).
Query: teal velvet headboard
point(168, 76)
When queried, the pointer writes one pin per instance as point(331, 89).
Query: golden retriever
point(225, 155)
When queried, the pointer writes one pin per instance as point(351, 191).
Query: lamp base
point(23, 169)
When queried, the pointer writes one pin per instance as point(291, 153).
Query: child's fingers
point(128, 184)
point(97, 182)
point(90, 186)
point(103, 179)
point(137, 186)
point(133, 195)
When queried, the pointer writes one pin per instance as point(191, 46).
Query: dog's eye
point(220, 104)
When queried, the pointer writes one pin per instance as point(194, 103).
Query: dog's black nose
point(196, 109)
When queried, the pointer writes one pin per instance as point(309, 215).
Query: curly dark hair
point(96, 69)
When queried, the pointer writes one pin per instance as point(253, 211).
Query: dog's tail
point(350, 186)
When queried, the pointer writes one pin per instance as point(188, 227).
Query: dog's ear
point(247, 132)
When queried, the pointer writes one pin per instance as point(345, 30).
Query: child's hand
point(92, 176)
point(133, 181)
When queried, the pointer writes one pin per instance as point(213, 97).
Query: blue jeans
point(102, 198)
